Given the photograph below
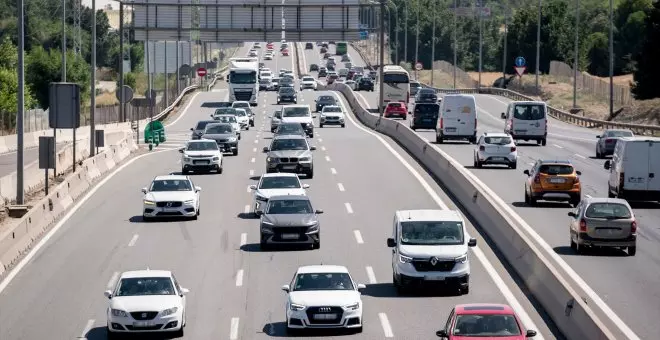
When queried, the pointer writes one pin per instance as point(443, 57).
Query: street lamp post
point(538, 46)
point(611, 58)
point(435, 3)
point(417, 40)
point(481, 40)
point(405, 35)
point(455, 39)
point(577, 51)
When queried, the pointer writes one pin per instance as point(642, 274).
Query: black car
point(313, 67)
point(426, 96)
point(322, 101)
point(309, 46)
point(331, 67)
point(425, 116)
point(323, 72)
point(324, 49)
point(287, 95)
point(364, 84)
point(324, 45)
point(326, 55)
point(198, 130)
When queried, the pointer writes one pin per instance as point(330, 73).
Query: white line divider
point(371, 275)
point(341, 187)
point(133, 240)
point(333, 170)
point(358, 236)
point(349, 209)
point(233, 329)
point(385, 323)
point(239, 278)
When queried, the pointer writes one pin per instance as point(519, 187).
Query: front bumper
point(128, 324)
point(458, 276)
point(287, 100)
point(302, 319)
point(185, 210)
point(585, 239)
point(331, 120)
point(298, 168)
point(288, 235)
point(200, 164)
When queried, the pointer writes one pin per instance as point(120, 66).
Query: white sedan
point(308, 83)
point(332, 115)
point(275, 184)
point(146, 301)
point(496, 148)
point(323, 296)
point(201, 155)
point(171, 196)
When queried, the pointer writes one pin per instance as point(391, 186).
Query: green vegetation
point(635, 31)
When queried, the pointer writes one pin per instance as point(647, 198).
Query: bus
point(396, 85)
point(341, 48)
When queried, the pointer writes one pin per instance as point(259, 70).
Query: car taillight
point(482, 148)
point(609, 141)
point(537, 179)
point(633, 227)
point(441, 123)
point(513, 149)
point(583, 226)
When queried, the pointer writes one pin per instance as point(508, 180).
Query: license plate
point(289, 167)
point(201, 162)
point(450, 129)
point(143, 323)
point(325, 316)
point(557, 180)
point(290, 236)
point(434, 278)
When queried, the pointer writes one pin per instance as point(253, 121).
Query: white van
point(635, 169)
point(527, 120)
point(458, 118)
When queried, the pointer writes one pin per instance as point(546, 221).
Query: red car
point(484, 321)
point(269, 45)
point(396, 109)
point(285, 52)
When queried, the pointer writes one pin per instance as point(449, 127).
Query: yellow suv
point(552, 180)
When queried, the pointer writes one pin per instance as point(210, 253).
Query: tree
point(9, 99)
point(8, 54)
point(648, 69)
point(45, 67)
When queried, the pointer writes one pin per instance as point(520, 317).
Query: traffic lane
point(374, 204)
point(8, 160)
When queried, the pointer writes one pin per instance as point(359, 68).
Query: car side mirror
point(572, 214)
point(286, 288)
point(607, 165)
point(598, 137)
point(319, 211)
point(305, 186)
point(265, 149)
point(144, 190)
point(526, 172)
point(314, 116)
point(578, 172)
point(184, 291)
point(270, 116)
point(181, 150)
point(441, 333)
point(253, 187)
point(108, 294)
point(503, 115)
point(361, 286)
point(472, 242)
point(191, 129)
point(198, 189)
point(530, 333)
point(312, 148)
point(391, 243)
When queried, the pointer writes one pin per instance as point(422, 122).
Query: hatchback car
point(395, 109)
point(313, 67)
point(424, 116)
point(607, 141)
point(553, 180)
point(290, 220)
point(495, 148)
point(484, 321)
point(309, 46)
point(326, 100)
point(287, 95)
point(603, 222)
point(426, 96)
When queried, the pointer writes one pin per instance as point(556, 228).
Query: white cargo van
point(635, 169)
point(527, 120)
point(458, 118)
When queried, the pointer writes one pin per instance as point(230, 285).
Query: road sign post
point(520, 65)
point(419, 66)
point(201, 72)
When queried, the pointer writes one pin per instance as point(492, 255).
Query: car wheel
point(234, 152)
point(194, 218)
point(311, 135)
point(465, 290)
point(575, 201)
point(526, 197)
point(320, 125)
point(404, 117)
point(291, 331)
point(438, 139)
point(247, 128)
point(513, 165)
point(543, 142)
point(632, 251)
point(184, 171)
point(252, 123)
point(358, 330)
point(179, 333)
point(343, 125)
point(574, 245)
point(220, 170)
point(239, 136)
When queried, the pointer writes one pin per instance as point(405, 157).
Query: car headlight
point(354, 306)
point(261, 198)
point(169, 311)
point(188, 201)
point(266, 224)
point(305, 159)
point(231, 139)
point(404, 259)
point(216, 158)
point(119, 312)
point(271, 160)
point(147, 202)
point(296, 307)
point(461, 259)
point(313, 227)
point(186, 159)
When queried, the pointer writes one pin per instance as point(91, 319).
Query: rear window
point(427, 110)
point(529, 112)
point(556, 169)
point(497, 140)
point(608, 211)
point(394, 104)
point(426, 92)
point(415, 85)
point(396, 78)
point(619, 133)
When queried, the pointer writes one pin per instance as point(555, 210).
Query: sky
point(100, 4)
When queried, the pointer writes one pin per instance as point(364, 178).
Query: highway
point(629, 285)
point(361, 179)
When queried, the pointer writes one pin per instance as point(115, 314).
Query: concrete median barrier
point(576, 310)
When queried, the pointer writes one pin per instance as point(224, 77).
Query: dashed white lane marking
point(530, 163)
point(333, 170)
point(247, 209)
point(587, 196)
point(243, 239)
point(239, 278)
point(248, 189)
point(320, 140)
point(341, 187)
point(385, 323)
point(327, 158)
point(251, 172)
point(349, 209)
point(252, 160)
point(358, 236)
point(133, 240)
point(233, 329)
point(112, 281)
point(178, 161)
point(371, 275)
point(557, 146)
point(256, 141)
point(254, 149)
point(323, 148)
point(580, 156)
point(88, 327)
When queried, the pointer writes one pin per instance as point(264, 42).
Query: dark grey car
point(198, 130)
point(603, 222)
point(607, 141)
point(290, 153)
point(224, 135)
point(290, 220)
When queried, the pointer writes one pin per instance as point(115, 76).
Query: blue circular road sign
point(520, 62)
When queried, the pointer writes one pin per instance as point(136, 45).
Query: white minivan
point(635, 169)
point(458, 118)
point(527, 120)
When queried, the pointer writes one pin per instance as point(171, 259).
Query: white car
point(275, 184)
point(266, 75)
point(170, 196)
point(229, 119)
point(243, 119)
point(256, 45)
point(146, 301)
point(252, 53)
point(332, 115)
point(268, 56)
point(323, 296)
point(308, 83)
point(350, 83)
point(201, 155)
point(496, 148)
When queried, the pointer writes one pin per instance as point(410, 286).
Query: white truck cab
point(243, 80)
point(430, 247)
point(635, 169)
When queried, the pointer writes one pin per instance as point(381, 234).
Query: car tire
point(573, 245)
point(575, 201)
point(320, 125)
point(404, 117)
point(235, 152)
point(632, 251)
point(464, 290)
point(310, 173)
point(239, 136)
point(438, 139)
point(311, 135)
point(343, 125)
point(220, 169)
point(513, 165)
point(247, 128)
point(358, 330)
point(272, 130)
point(543, 142)
point(252, 123)
point(179, 333)
point(111, 335)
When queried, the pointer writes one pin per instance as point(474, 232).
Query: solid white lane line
point(587, 196)
point(88, 327)
point(251, 172)
point(239, 278)
point(349, 209)
point(371, 275)
point(252, 160)
point(557, 146)
point(327, 158)
point(341, 187)
point(233, 329)
point(243, 239)
point(254, 149)
point(133, 240)
point(322, 148)
point(385, 323)
point(246, 209)
point(112, 281)
point(358, 236)
point(333, 170)
point(580, 156)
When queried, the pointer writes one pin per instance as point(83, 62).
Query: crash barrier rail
point(18, 238)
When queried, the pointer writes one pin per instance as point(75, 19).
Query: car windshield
point(608, 211)
point(396, 78)
point(243, 78)
point(240, 105)
point(323, 281)
point(265, 74)
point(427, 110)
point(139, 286)
point(326, 99)
point(171, 185)
point(308, 79)
point(276, 80)
point(556, 169)
point(397, 105)
point(287, 90)
point(431, 232)
point(288, 182)
point(497, 140)
point(296, 112)
point(226, 119)
point(290, 129)
point(225, 111)
point(241, 113)
point(619, 133)
point(281, 207)
point(529, 112)
point(201, 125)
point(289, 144)
point(331, 109)
point(486, 325)
point(218, 129)
point(202, 146)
